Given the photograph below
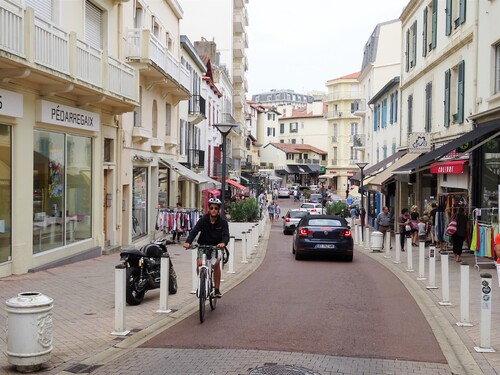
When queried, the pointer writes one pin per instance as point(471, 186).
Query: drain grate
point(80, 368)
point(273, 369)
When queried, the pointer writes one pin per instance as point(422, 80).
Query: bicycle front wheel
point(202, 293)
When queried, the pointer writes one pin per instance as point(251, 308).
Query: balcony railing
point(333, 114)
point(197, 111)
point(55, 49)
point(344, 95)
point(196, 158)
point(333, 162)
point(358, 140)
point(144, 45)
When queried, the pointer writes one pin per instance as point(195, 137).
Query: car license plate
point(326, 246)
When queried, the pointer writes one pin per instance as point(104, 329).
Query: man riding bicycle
point(214, 231)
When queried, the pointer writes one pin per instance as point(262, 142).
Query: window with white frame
point(429, 34)
point(497, 68)
point(294, 127)
point(411, 46)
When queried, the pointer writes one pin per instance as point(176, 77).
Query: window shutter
point(460, 92)
point(384, 113)
point(407, 57)
point(424, 33)
point(43, 8)
point(93, 25)
point(414, 57)
point(434, 24)
point(396, 106)
point(410, 114)
point(461, 17)
point(447, 78)
point(375, 115)
point(428, 106)
point(391, 110)
point(449, 12)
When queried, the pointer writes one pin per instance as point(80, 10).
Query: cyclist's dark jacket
point(211, 234)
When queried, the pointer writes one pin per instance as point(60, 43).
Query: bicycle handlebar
point(225, 251)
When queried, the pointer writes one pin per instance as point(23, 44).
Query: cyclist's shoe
point(217, 293)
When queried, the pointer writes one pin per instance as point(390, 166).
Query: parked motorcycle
point(143, 270)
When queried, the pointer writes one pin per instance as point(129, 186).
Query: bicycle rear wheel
point(202, 293)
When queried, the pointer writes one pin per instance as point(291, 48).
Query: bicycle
point(206, 286)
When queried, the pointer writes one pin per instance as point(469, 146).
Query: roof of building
point(296, 148)
point(348, 76)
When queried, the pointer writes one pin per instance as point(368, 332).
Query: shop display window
point(5, 193)
point(139, 202)
point(62, 189)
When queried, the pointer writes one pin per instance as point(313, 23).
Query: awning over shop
point(236, 185)
point(183, 171)
point(280, 171)
point(491, 128)
point(312, 168)
point(449, 167)
point(210, 181)
point(293, 169)
point(388, 172)
point(327, 176)
point(373, 169)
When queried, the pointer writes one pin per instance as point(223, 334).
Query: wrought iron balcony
point(196, 158)
point(197, 111)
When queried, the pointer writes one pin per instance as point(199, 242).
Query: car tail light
point(287, 219)
point(345, 233)
point(304, 232)
point(313, 210)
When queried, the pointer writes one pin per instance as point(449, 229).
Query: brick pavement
point(83, 315)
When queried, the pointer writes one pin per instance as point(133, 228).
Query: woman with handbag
point(414, 215)
point(458, 237)
point(404, 227)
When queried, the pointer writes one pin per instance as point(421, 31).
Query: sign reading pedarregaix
point(419, 142)
point(11, 103)
point(59, 114)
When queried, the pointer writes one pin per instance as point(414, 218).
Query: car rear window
point(295, 214)
point(325, 223)
point(307, 205)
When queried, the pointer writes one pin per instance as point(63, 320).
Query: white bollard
point(120, 280)
point(397, 238)
point(231, 255)
point(464, 296)
point(421, 260)
point(484, 343)
point(249, 243)
point(255, 238)
point(244, 247)
point(164, 281)
point(445, 282)
point(367, 239)
point(360, 235)
point(194, 273)
point(432, 268)
point(387, 245)
point(354, 230)
point(409, 256)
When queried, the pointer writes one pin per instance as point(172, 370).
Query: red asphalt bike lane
point(316, 306)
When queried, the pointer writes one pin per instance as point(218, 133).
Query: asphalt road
point(329, 307)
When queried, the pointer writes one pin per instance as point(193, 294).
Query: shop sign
point(58, 114)
point(419, 142)
point(11, 103)
point(452, 167)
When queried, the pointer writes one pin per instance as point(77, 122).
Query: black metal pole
point(223, 180)
point(362, 216)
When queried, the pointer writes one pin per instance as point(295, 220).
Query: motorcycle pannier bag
point(153, 251)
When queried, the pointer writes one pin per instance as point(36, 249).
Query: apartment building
point(343, 130)
point(64, 85)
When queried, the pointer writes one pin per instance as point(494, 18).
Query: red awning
point(449, 167)
point(236, 185)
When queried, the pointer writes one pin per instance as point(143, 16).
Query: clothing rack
point(481, 227)
point(171, 219)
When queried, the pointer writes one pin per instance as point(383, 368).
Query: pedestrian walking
point(414, 215)
point(277, 211)
point(458, 237)
point(384, 223)
point(271, 211)
point(404, 227)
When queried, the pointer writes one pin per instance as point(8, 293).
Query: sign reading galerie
point(58, 114)
point(11, 103)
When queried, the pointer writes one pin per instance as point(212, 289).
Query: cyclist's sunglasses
point(213, 208)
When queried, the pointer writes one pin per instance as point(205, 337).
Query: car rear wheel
point(348, 258)
point(298, 256)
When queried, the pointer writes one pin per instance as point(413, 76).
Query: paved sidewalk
point(83, 311)
point(429, 300)
point(83, 308)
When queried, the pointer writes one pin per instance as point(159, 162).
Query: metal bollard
point(244, 247)
point(397, 238)
point(120, 280)
point(421, 260)
point(387, 245)
point(231, 255)
point(409, 257)
point(164, 281)
point(464, 296)
point(484, 343)
point(445, 282)
point(432, 268)
point(367, 239)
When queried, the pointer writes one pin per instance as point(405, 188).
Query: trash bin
point(29, 330)
point(377, 238)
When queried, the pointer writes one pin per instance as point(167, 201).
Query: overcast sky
point(299, 45)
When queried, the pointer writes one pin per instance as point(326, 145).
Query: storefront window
point(139, 211)
point(5, 193)
point(61, 190)
point(490, 179)
point(163, 187)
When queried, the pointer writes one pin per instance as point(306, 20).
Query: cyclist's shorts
point(213, 257)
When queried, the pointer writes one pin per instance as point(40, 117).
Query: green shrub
point(244, 210)
point(337, 208)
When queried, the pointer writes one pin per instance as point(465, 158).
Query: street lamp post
point(362, 212)
point(224, 129)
